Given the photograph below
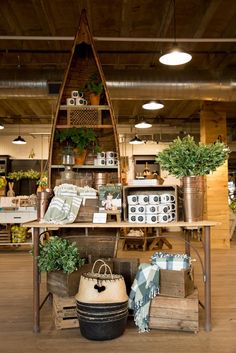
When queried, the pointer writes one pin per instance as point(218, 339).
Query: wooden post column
point(213, 126)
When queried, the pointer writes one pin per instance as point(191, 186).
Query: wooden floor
point(16, 334)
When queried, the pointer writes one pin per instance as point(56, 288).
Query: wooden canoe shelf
point(83, 64)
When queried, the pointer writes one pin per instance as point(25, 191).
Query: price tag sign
point(100, 217)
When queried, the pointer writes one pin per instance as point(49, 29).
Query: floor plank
point(16, 334)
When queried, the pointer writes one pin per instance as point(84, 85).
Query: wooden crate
point(64, 312)
point(154, 190)
point(179, 314)
point(5, 235)
point(176, 283)
point(127, 268)
point(86, 211)
point(64, 284)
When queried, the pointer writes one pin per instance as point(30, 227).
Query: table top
point(122, 224)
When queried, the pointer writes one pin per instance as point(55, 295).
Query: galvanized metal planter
point(193, 195)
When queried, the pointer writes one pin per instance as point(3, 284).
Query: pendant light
point(153, 105)
point(141, 123)
point(175, 56)
point(19, 140)
point(136, 141)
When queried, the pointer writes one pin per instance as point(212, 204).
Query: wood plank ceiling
point(29, 69)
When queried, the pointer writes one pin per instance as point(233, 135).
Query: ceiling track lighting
point(153, 105)
point(136, 141)
point(175, 56)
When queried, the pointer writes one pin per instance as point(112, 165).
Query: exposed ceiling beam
point(123, 39)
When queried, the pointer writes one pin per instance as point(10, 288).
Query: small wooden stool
point(115, 213)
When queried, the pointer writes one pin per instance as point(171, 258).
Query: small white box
point(164, 217)
point(110, 161)
point(143, 199)
point(132, 218)
point(164, 208)
point(171, 206)
point(141, 209)
point(80, 101)
point(140, 218)
point(70, 101)
point(151, 218)
point(111, 154)
point(151, 209)
point(101, 161)
point(74, 94)
point(154, 199)
point(132, 209)
point(132, 199)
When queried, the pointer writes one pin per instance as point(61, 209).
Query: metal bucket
point(100, 179)
point(43, 199)
point(193, 194)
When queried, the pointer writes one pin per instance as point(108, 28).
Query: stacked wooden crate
point(176, 308)
point(64, 312)
point(5, 234)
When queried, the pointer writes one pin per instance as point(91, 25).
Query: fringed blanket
point(64, 206)
point(168, 261)
point(144, 288)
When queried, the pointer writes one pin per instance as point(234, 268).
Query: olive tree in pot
point(191, 161)
point(63, 264)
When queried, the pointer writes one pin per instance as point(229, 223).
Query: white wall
point(39, 144)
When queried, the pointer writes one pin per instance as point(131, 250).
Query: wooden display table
point(206, 225)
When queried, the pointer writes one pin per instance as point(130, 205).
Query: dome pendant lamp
point(175, 56)
point(19, 140)
point(136, 141)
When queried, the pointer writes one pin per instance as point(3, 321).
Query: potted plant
point(95, 88)
point(81, 140)
point(191, 161)
point(42, 182)
point(61, 260)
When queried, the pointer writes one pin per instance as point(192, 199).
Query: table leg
point(187, 241)
point(207, 279)
point(36, 281)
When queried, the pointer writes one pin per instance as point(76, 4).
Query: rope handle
point(105, 272)
point(103, 262)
